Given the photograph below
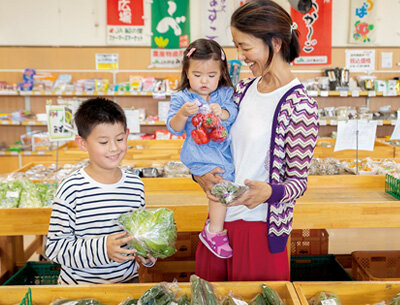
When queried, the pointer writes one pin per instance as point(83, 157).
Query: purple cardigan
point(293, 138)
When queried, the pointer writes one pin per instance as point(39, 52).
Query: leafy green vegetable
point(154, 231)
point(228, 191)
point(30, 197)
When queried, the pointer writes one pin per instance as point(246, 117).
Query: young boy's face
point(106, 145)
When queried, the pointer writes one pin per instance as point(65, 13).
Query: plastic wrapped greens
point(228, 191)
point(30, 196)
point(154, 231)
point(324, 297)
point(157, 295)
point(202, 292)
point(10, 193)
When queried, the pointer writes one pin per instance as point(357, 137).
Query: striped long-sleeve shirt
point(84, 214)
point(293, 139)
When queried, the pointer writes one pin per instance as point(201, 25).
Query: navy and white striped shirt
point(84, 214)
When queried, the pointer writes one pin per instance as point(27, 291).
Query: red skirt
point(251, 260)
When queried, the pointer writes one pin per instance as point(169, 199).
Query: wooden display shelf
point(360, 201)
point(349, 293)
point(117, 293)
point(381, 150)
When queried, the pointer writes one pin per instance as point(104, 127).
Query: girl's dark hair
point(265, 19)
point(97, 111)
point(205, 49)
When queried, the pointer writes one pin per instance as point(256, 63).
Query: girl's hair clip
point(222, 55)
point(190, 52)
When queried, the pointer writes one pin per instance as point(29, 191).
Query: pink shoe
point(217, 243)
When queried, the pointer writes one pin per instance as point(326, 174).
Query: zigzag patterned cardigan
point(293, 139)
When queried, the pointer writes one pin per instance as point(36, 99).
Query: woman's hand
point(114, 250)
point(208, 180)
point(258, 192)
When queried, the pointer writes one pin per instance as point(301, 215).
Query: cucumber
point(258, 300)
point(271, 297)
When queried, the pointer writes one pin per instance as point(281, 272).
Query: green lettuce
point(154, 231)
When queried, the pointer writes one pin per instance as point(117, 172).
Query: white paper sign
point(163, 108)
point(347, 135)
point(396, 131)
point(360, 60)
point(59, 123)
point(386, 59)
point(132, 120)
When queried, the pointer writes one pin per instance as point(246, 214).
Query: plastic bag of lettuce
point(154, 231)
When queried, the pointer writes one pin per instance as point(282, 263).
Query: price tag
point(68, 92)
point(371, 93)
point(100, 92)
point(4, 122)
point(322, 122)
point(40, 153)
point(348, 131)
point(380, 122)
point(47, 92)
point(36, 92)
point(312, 93)
point(14, 122)
point(355, 93)
point(343, 93)
point(59, 92)
point(2, 153)
point(324, 93)
point(333, 122)
point(14, 153)
point(11, 194)
point(89, 92)
point(78, 92)
point(328, 302)
point(28, 153)
point(393, 122)
point(121, 92)
point(143, 93)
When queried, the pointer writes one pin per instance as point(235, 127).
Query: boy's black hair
point(95, 111)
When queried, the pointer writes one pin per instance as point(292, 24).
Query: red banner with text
point(315, 29)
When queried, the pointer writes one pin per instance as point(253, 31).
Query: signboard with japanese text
point(125, 22)
point(106, 61)
point(215, 18)
point(362, 21)
point(59, 123)
point(170, 26)
point(360, 60)
point(315, 29)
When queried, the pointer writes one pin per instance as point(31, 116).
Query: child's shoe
point(217, 243)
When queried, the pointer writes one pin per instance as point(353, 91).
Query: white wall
point(83, 22)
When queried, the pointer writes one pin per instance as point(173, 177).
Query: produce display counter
point(117, 293)
point(330, 202)
point(349, 293)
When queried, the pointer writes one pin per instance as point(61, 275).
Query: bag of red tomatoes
point(207, 127)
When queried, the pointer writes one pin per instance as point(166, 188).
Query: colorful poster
point(125, 23)
point(362, 21)
point(315, 33)
point(59, 123)
point(170, 26)
point(215, 20)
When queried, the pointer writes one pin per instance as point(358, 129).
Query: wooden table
point(330, 202)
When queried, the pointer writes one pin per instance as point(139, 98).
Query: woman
point(273, 139)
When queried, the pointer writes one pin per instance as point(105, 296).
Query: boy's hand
point(146, 260)
point(114, 250)
point(216, 109)
point(189, 109)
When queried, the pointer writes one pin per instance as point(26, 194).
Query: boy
point(83, 234)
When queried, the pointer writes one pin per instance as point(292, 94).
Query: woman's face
point(252, 50)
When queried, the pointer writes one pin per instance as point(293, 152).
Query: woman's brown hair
point(204, 49)
point(266, 19)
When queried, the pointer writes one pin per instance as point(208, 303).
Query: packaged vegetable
point(228, 191)
point(154, 231)
point(202, 292)
point(324, 298)
point(157, 295)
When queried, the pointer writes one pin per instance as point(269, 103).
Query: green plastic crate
point(27, 300)
point(35, 273)
point(392, 186)
point(317, 268)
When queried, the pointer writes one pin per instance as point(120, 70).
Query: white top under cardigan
point(251, 141)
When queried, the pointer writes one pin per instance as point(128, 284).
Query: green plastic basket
point(27, 300)
point(317, 268)
point(392, 186)
point(35, 273)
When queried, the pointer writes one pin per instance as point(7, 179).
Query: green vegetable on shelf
point(154, 231)
point(227, 191)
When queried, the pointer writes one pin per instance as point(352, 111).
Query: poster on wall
point(170, 26)
point(362, 22)
point(125, 23)
point(215, 18)
point(315, 29)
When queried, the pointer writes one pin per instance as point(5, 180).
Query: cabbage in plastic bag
point(154, 231)
point(10, 193)
point(324, 297)
point(30, 197)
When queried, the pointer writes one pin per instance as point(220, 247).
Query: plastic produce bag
point(30, 196)
point(324, 298)
point(10, 193)
point(271, 297)
point(154, 231)
point(228, 191)
point(157, 295)
point(202, 292)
